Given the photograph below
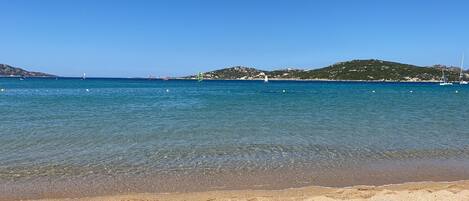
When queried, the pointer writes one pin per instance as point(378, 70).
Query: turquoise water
point(58, 129)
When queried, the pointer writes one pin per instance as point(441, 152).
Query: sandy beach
point(203, 100)
point(425, 191)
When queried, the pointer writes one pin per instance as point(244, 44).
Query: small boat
point(200, 77)
point(444, 80)
point(461, 73)
point(84, 76)
point(266, 79)
point(446, 83)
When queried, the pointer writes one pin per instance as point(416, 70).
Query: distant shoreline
point(321, 80)
point(272, 79)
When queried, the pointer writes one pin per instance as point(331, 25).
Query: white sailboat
point(444, 81)
point(84, 76)
point(266, 79)
point(461, 73)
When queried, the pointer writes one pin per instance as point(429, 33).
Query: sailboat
point(84, 76)
point(266, 79)
point(461, 73)
point(444, 79)
point(200, 77)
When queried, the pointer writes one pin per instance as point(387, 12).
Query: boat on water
point(461, 72)
point(200, 77)
point(266, 79)
point(446, 83)
point(84, 76)
point(444, 79)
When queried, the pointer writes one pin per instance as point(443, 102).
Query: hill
point(380, 70)
point(233, 73)
point(369, 70)
point(10, 71)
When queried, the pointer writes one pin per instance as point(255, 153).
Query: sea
point(68, 137)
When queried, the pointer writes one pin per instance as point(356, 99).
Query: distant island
point(10, 71)
point(355, 70)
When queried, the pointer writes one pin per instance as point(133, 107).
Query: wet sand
point(428, 191)
point(235, 183)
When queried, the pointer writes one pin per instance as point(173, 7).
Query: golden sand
point(418, 191)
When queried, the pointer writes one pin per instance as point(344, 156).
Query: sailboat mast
point(443, 74)
point(462, 66)
point(200, 77)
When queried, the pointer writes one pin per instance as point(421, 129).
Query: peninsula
point(355, 70)
point(10, 71)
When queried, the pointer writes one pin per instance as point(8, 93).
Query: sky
point(138, 38)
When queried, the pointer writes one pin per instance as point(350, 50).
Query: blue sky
point(173, 37)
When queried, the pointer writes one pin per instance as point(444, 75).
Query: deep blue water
point(58, 128)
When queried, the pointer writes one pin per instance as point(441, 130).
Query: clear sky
point(174, 37)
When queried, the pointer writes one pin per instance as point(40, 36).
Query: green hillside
point(9, 71)
point(369, 70)
point(379, 70)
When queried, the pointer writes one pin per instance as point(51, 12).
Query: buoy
point(283, 91)
point(167, 90)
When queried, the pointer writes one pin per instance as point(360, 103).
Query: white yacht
point(444, 80)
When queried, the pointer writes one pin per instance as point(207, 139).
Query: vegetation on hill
point(369, 70)
point(237, 72)
point(9, 71)
point(379, 70)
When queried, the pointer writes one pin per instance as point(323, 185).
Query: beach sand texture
point(418, 191)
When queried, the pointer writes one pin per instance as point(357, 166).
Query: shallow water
point(57, 130)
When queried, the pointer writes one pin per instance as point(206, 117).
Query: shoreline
point(427, 190)
point(259, 79)
point(172, 187)
point(319, 80)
